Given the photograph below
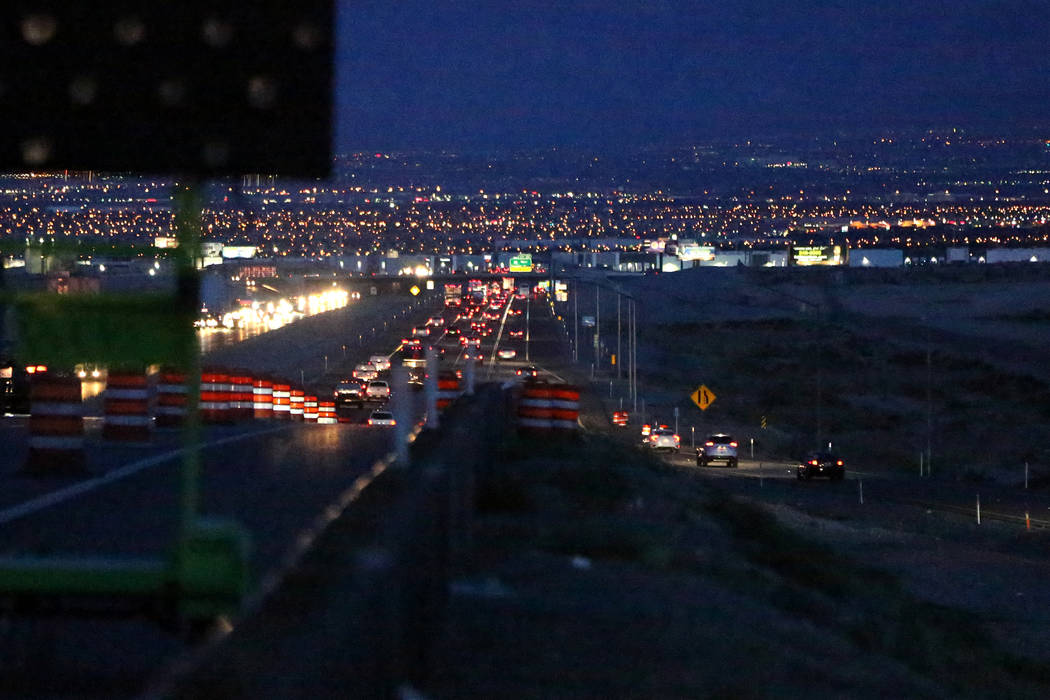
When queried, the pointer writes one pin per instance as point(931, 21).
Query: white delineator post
point(401, 407)
point(430, 388)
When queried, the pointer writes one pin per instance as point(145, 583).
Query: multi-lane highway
point(275, 478)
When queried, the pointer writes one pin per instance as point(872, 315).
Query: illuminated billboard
point(692, 251)
point(816, 255)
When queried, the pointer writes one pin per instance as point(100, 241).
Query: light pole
point(528, 306)
point(619, 356)
point(575, 320)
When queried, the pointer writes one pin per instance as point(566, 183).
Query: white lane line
point(55, 497)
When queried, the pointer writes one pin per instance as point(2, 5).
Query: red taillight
point(733, 444)
point(393, 422)
point(709, 444)
point(676, 439)
point(813, 462)
point(839, 462)
point(36, 369)
point(371, 422)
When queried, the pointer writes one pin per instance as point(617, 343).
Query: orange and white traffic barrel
point(326, 413)
point(56, 425)
point(126, 407)
point(282, 392)
point(565, 407)
point(296, 398)
point(169, 410)
point(620, 418)
point(241, 397)
point(448, 389)
point(262, 398)
point(534, 407)
point(310, 412)
point(215, 396)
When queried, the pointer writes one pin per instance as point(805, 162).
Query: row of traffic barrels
point(134, 403)
point(544, 407)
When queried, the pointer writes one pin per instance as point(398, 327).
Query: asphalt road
point(274, 478)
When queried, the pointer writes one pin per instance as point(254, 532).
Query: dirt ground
point(601, 572)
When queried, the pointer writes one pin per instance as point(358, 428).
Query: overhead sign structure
point(521, 263)
point(703, 397)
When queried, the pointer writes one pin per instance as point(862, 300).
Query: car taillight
point(676, 439)
point(393, 422)
point(838, 462)
point(36, 369)
point(371, 422)
point(733, 444)
point(709, 444)
point(813, 462)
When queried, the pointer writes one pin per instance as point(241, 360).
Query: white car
point(381, 418)
point(377, 390)
point(420, 332)
point(380, 362)
point(717, 448)
point(507, 353)
point(436, 321)
point(365, 371)
point(663, 439)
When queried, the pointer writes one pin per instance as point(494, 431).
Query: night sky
point(468, 74)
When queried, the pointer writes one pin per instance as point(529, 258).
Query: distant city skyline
point(612, 74)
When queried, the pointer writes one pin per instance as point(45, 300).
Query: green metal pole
point(188, 233)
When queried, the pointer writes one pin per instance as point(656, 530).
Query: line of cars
point(720, 448)
point(365, 386)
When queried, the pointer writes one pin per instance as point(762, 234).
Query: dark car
point(529, 372)
point(453, 332)
point(821, 464)
point(349, 392)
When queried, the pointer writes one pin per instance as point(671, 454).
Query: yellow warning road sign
point(703, 397)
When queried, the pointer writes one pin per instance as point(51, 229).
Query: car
point(436, 321)
point(453, 332)
point(420, 332)
point(821, 463)
point(717, 448)
point(365, 371)
point(507, 353)
point(472, 341)
point(664, 438)
point(517, 333)
point(381, 418)
point(529, 372)
point(377, 390)
point(380, 362)
point(349, 392)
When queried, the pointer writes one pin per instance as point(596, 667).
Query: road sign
point(521, 263)
point(703, 397)
point(414, 290)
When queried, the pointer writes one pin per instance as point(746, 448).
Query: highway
point(274, 478)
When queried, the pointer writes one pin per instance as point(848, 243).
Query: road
point(274, 478)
